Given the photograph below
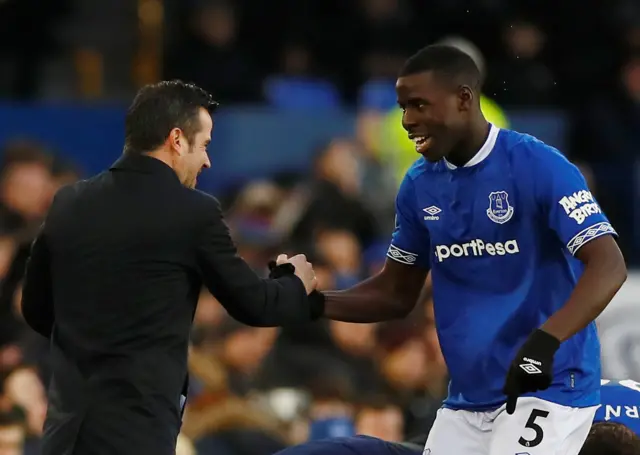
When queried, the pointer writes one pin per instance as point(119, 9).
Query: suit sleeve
point(247, 297)
point(410, 242)
point(569, 208)
point(37, 295)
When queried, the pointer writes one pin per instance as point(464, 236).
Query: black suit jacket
point(113, 280)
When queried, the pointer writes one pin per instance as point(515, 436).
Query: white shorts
point(537, 427)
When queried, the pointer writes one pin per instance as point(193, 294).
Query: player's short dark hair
point(447, 61)
point(158, 108)
point(609, 438)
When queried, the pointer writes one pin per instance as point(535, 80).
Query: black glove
point(532, 368)
point(278, 271)
point(316, 298)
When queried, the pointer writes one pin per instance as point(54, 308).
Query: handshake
point(295, 265)
point(300, 267)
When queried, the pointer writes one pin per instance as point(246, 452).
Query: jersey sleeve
point(410, 241)
point(568, 205)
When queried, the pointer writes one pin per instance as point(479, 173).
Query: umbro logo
point(432, 213)
point(530, 368)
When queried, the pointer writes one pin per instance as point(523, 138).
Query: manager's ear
point(178, 142)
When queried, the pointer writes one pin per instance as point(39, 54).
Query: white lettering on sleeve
point(580, 205)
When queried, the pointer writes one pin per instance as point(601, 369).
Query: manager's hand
point(303, 270)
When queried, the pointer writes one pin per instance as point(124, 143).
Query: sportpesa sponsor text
point(477, 247)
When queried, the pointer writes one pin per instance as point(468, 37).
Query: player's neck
point(471, 145)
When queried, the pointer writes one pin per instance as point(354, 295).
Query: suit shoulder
point(67, 193)
point(201, 199)
point(205, 207)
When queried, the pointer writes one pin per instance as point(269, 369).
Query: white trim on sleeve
point(588, 234)
point(402, 256)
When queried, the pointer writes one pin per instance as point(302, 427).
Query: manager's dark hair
point(609, 438)
point(447, 61)
point(158, 108)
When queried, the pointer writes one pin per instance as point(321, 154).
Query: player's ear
point(465, 98)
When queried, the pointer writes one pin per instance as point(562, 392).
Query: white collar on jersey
point(484, 151)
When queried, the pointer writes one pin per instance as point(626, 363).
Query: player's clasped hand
point(532, 368)
point(301, 268)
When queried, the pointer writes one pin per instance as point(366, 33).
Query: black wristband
point(316, 305)
point(544, 340)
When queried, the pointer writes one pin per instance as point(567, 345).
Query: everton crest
point(499, 210)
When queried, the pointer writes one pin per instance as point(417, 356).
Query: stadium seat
point(378, 95)
point(301, 93)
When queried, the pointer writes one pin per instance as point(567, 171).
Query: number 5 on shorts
point(531, 423)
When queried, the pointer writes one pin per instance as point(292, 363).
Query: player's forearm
point(369, 301)
point(599, 282)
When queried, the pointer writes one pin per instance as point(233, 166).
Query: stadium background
point(306, 156)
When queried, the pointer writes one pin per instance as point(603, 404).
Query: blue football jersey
point(499, 236)
point(620, 403)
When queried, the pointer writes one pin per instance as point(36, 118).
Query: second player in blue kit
point(522, 261)
point(620, 403)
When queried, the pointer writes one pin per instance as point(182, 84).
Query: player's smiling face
point(434, 113)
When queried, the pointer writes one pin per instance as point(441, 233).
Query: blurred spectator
point(219, 422)
point(185, 446)
point(242, 351)
point(380, 418)
point(252, 220)
point(611, 128)
point(331, 413)
point(212, 57)
point(522, 78)
point(12, 433)
point(208, 317)
point(342, 252)
point(403, 356)
point(332, 199)
point(27, 38)
point(25, 181)
point(296, 60)
point(23, 387)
